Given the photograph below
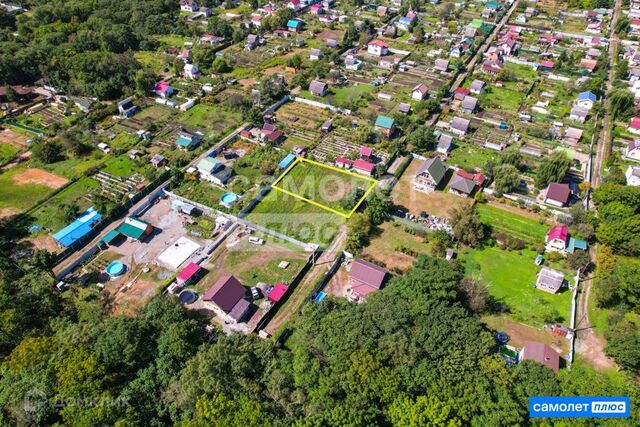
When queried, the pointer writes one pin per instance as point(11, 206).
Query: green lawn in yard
point(22, 196)
point(502, 98)
point(348, 95)
point(295, 218)
point(210, 118)
point(8, 152)
point(510, 277)
point(121, 166)
point(49, 215)
point(515, 225)
point(323, 185)
point(173, 40)
point(75, 168)
point(152, 60)
point(201, 192)
point(469, 155)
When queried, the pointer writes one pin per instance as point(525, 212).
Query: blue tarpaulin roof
point(286, 162)
point(78, 228)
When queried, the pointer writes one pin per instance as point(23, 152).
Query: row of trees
point(414, 354)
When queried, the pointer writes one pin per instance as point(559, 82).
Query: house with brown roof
point(540, 353)
point(364, 279)
point(557, 195)
point(227, 297)
point(318, 88)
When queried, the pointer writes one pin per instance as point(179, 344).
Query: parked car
point(256, 241)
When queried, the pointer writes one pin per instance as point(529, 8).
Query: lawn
point(469, 155)
point(8, 152)
point(76, 168)
point(392, 245)
point(14, 195)
point(527, 229)
point(324, 185)
point(502, 98)
point(121, 166)
point(295, 218)
point(49, 215)
point(210, 119)
point(511, 277)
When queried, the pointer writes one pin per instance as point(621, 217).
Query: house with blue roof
point(287, 161)
point(493, 5)
point(295, 25)
point(586, 100)
point(188, 141)
point(403, 23)
point(78, 228)
point(385, 125)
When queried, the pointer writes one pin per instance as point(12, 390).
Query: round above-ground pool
point(228, 199)
point(188, 297)
point(115, 269)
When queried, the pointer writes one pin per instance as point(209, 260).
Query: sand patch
point(40, 177)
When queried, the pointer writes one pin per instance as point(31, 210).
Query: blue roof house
point(287, 161)
point(586, 100)
point(188, 141)
point(403, 23)
point(78, 228)
point(295, 24)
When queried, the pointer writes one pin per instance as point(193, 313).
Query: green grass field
point(502, 98)
point(22, 196)
point(7, 153)
point(121, 166)
point(210, 119)
point(511, 277)
point(515, 225)
point(49, 215)
point(467, 155)
point(295, 218)
point(323, 185)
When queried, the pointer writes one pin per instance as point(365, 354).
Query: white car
point(256, 241)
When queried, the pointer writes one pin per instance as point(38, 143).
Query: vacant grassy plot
point(20, 193)
point(502, 98)
point(49, 215)
point(466, 155)
point(511, 278)
point(436, 203)
point(515, 225)
point(295, 218)
point(326, 186)
point(391, 245)
point(121, 166)
point(211, 119)
point(152, 60)
point(76, 168)
point(8, 152)
point(201, 192)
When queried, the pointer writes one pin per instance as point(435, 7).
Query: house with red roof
point(364, 167)
point(163, 89)
point(364, 279)
point(540, 353)
point(634, 125)
point(460, 92)
point(188, 274)
point(366, 153)
point(277, 292)
point(419, 92)
point(557, 238)
point(227, 298)
point(546, 65)
point(378, 47)
point(316, 9)
point(343, 162)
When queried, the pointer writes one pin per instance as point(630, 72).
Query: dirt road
point(323, 263)
point(588, 345)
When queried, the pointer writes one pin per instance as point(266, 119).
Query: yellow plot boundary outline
point(320, 205)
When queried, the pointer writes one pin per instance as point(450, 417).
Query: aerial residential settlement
point(336, 213)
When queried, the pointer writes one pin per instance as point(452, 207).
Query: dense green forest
point(82, 46)
point(413, 355)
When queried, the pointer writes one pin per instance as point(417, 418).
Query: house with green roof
point(188, 141)
point(430, 175)
point(134, 228)
point(385, 125)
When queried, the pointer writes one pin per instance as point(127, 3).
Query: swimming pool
point(188, 297)
point(115, 269)
point(228, 199)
